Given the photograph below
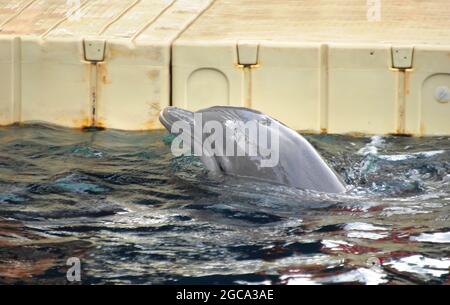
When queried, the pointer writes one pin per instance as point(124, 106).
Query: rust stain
point(114, 52)
point(102, 72)
point(356, 134)
point(92, 128)
point(153, 74)
point(401, 134)
point(154, 108)
point(406, 82)
point(401, 118)
point(153, 124)
point(308, 131)
point(153, 53)
point(422, 129)
point(100, 123)
point(82, 123)
point(153, 112)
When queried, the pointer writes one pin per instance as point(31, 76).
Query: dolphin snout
point(170, 115)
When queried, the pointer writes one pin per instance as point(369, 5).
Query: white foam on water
point(334, 244)
point(365, 230)
point(372, 147)
point(366, 235)
point(303, 279)
point(372, 276)
point(264, 283)
point(362, 226)
point(402, 157)
point(441, 237)
point(395, 157)
point(403, 211)
point(430, 153)
point(432, 205)
point(420, 264)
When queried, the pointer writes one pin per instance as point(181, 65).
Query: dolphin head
point(170, 115)
point(298, 163)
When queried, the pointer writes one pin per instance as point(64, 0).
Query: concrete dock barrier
point(336, 66)
point(107, 63)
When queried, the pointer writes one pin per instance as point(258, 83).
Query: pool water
point(132, 213)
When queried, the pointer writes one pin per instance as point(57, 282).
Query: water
point(134, 214)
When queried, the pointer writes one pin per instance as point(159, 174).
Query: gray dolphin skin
point(299, 164)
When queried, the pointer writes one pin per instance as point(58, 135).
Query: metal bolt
point(442, 94)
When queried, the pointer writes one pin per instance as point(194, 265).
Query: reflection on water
point(133, 214)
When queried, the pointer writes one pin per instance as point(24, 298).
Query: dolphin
point(299, 164)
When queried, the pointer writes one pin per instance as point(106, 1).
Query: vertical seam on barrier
point(118, 16)
point(247, 69)
point(16, 79)
point(17, 13)
point(94, 66)
point(402, 92)
point(93, 88)
point(153, 20)
point(170, 77)
point(400, 101)
point(93, 92)
point(420, 128)
point(324, 88)
point(406, 93)
point(54, 26)
point(248, 86)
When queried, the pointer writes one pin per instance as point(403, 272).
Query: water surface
point(134, 214)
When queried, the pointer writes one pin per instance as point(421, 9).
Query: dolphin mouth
point(171, 115)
